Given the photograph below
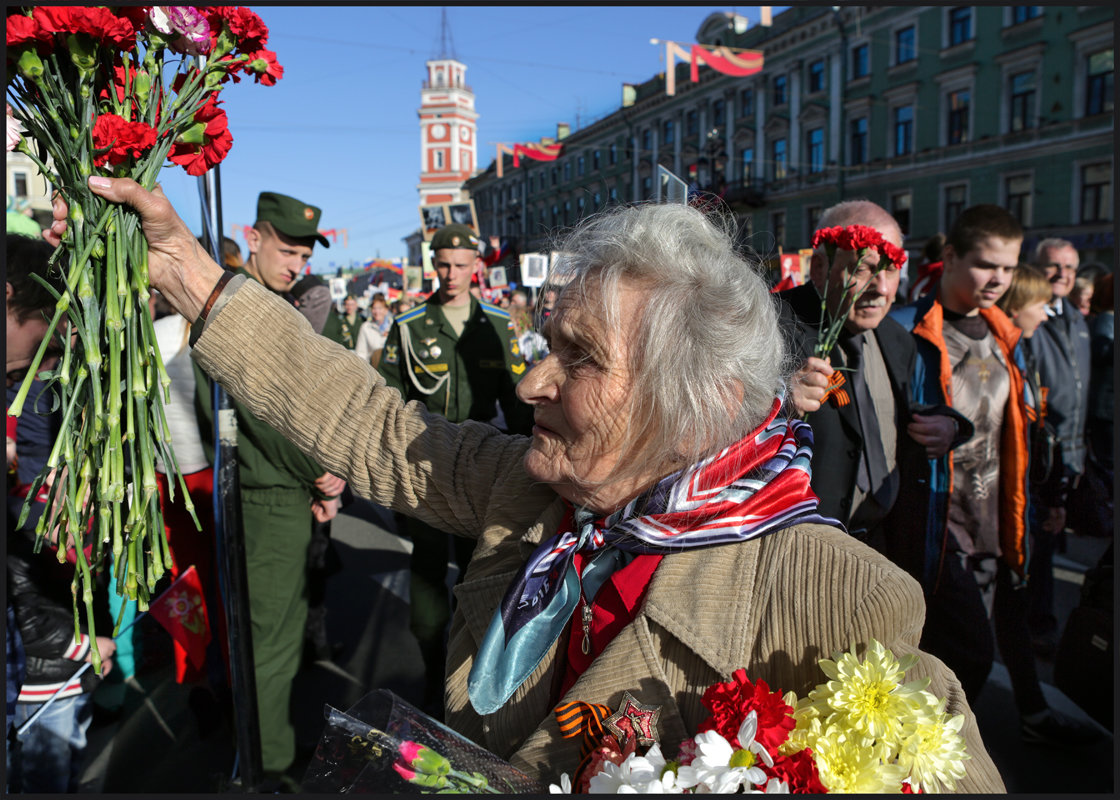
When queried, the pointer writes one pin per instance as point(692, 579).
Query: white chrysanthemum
point(636, 775)
point(722, 768)
point(932, 750)
point(869, 695)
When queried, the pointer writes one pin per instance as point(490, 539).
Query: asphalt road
point(161, 740)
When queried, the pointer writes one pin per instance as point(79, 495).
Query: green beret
point(454, 237)
point(290, 216)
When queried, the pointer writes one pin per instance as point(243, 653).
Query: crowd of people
point(925, 468)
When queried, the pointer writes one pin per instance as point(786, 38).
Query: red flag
point(785, 283)
point(182, 612)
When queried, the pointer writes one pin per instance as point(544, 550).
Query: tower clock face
point(439, 130)
point(464, 134)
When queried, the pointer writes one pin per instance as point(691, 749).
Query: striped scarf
point(754, 487)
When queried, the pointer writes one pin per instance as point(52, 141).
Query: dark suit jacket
point(837, 439)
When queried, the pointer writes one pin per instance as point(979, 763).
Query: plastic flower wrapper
point(115, 92)
point(384, 745)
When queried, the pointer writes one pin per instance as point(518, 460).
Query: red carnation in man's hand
point(100, 23)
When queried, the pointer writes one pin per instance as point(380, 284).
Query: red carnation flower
point(24, 30)
point(123, 138)
point(799, 771)
point(215, 140)
point(247, 28)
point(861, 236)
point(137, 16)
point(889, 252)
point(731, 702)
point(101, 24)
point(264, 67)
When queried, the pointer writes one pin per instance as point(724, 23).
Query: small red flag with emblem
point(181, 610)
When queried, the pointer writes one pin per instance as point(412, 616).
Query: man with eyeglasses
point(1061, 350)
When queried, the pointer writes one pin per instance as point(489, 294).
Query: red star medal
point(634, 720)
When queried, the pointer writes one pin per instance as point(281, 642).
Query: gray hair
point(707, 358)
point(1055, 243)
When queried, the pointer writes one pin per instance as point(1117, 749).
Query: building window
point(1022, 100)
point(960, 25)
point(778, 227)
point(815, 145)
point(647, 139)
point(612, 155)
point(647, 188)
point(554, 173)
point(667, 132)
point(1096, 192)
point(958, 103)
point(567, 171)
point(778, 154)
point(567, 212)
point(19, 184)
point(613, 195)
point(692, 123)
point(858, 153)
point(746, 102)
point(903, 130)
point(816, 76)
point(861, 61)
point(779, 90)
point(719, 112)
point(555, 214)
point(746, 158)
point(1017, 191)
point(596, 201)
point(900, 210)
point(439, 159)
point(1098, 90)
point(955, 199)
point(1024, 13)
point(905, 45)
point(579, 208)
point(812, 217)
point(580, 166)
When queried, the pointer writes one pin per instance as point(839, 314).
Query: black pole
point(230, 539)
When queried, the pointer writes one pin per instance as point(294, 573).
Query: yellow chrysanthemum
point(869, 695)
point(851, 764)
point(932, 750)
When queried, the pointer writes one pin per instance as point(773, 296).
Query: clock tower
point(448, 143)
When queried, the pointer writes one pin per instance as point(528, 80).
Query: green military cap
point(454, 237)
point(290, 216)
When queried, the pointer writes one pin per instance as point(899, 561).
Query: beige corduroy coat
point(773, 606)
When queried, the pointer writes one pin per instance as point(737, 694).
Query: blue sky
point(341, 131)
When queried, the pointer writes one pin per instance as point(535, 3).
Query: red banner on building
point(727, 60)
point(534, 150)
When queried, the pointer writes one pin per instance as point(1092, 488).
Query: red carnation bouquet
point(116, 91)
point(862, 240)
point(862, 731)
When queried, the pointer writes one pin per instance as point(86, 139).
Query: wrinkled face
point(1059, 264)
point(275, 259)
point(350, 306)
point(1028, 318)
point(377, 312)
point(454, 267)
point(979, 277)
point(878, 286)
point(581, 394)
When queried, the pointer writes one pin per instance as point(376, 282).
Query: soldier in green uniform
point(459, 357)
point(343, 328)
point(282, 490)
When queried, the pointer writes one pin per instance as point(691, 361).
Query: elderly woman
point(656, 532)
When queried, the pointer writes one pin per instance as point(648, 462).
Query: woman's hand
point(178, 266)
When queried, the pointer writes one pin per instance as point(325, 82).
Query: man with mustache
point(1061, 350)
point(857, 400)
